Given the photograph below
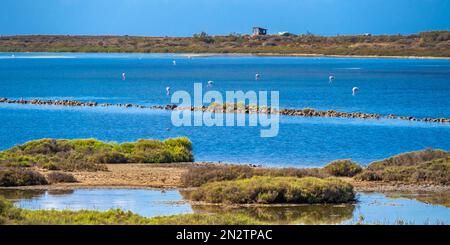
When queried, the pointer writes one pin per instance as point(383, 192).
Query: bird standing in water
point(330, 79)
point(257, 76)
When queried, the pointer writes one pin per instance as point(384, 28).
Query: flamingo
point(331, 78)
point(257, 76)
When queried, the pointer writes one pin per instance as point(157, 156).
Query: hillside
point(434, 44)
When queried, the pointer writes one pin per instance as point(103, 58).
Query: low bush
point(343, 168)
point(271, 190)
point(21, 177)
point(60, 177)
point(89, 154)
point(409, 159)
point(199, 175)
point(436, 171)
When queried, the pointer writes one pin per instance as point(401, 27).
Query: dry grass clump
point(60, 177)
point(199, 175)
point(345, 167)
point(21, 177)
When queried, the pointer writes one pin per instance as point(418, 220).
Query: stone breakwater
point(230, 108)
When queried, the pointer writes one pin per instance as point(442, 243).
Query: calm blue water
point(375, 208)
point(400, 86)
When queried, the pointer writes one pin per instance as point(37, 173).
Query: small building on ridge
point(259, 31)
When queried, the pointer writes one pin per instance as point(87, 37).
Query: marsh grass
point(345, 168)
point(409, 159)
point(427, 166)
point(272, 190)
point(199, 175)
point(90, 154)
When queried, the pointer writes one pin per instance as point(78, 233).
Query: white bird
point(257, 76)
point(124, 76)
point(174, 62)
point(168, 90)
point(355, 90)
point(210, 83)
point(331, 79)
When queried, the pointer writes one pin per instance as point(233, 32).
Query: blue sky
point(185, 17)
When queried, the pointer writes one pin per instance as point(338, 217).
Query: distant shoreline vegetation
point(424, 44)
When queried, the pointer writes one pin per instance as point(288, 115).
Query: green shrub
point(270, 190)
point(21, 177)
point(343, 168)
point(60, 177)
point(89, 154)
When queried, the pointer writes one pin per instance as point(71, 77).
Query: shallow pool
point(371, 208)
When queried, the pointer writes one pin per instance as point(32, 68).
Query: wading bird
point(331, 79)
point(257, 76)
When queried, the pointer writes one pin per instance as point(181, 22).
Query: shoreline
point(168, 176)
point(306, 55)
point(204, 55)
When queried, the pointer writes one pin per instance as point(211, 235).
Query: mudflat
point(131, 175)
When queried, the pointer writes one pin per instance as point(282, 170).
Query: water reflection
point(145, 202)
point(442, 199)
point(371, 208)
point(17, 194)
point(304, 214)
